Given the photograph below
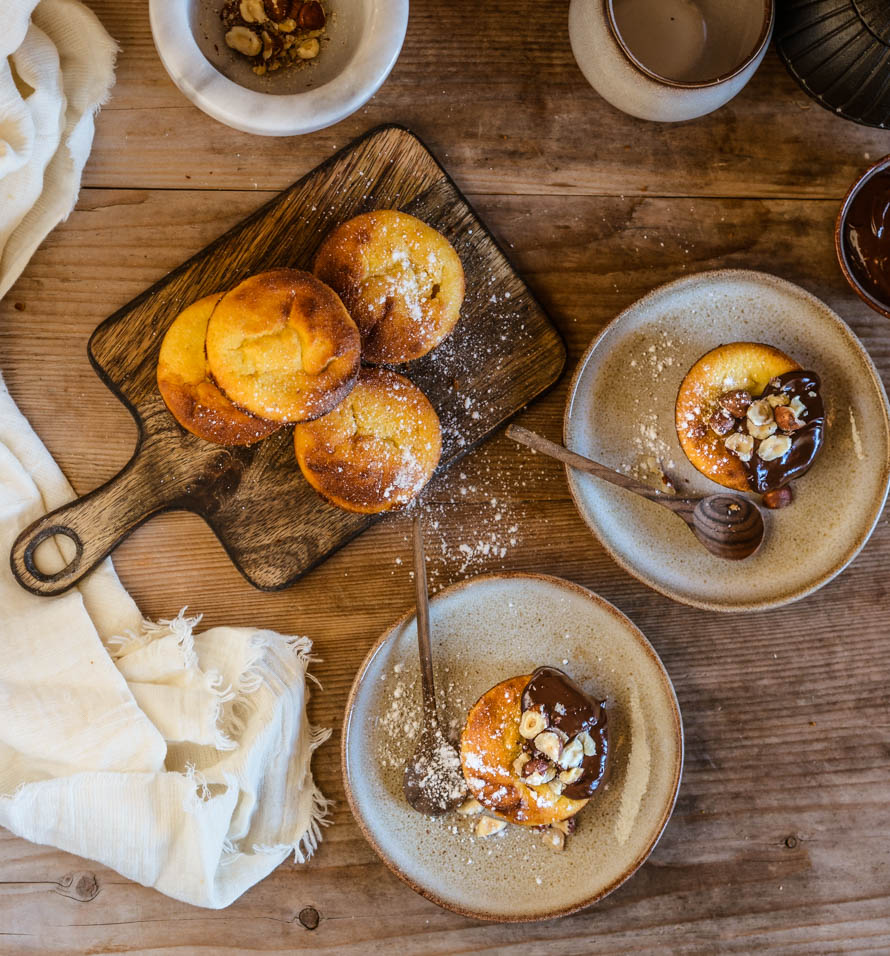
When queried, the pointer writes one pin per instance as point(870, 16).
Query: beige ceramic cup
point(669, 60)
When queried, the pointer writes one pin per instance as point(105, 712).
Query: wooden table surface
point(779, 838)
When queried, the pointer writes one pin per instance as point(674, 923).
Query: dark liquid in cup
point(866, 237)
point(689, 41)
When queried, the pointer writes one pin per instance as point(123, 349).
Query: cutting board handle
point(95, 524)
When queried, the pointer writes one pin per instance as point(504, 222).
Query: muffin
point(377, 449)
point(534, 748)
point(400, 279)
point(185, 385)
point(750, 418)
point(282, 346)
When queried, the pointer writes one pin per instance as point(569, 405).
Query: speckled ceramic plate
point(620, 411)
point(485, 630)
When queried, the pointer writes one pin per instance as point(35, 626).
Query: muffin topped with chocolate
point(535, 749)
point(750, 418)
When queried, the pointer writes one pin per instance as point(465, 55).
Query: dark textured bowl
point(839, 53)
point(840, 244)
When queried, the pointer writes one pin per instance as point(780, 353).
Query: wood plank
point(777, 837)
point(505, 108)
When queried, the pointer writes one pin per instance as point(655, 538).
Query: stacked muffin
point(287, 347)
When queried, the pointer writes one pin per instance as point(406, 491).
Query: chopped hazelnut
point(740, 445)
point(470, 808)
point(773, 447)
point(571, 776)
point(760, 412)
point(568, 826)
point(787, 420)
point(549, 744)
point(778, 497)
point(538, 771)
point(721, 422)
point(736, 402)
point(487, 826)
point(572, 754)
point(532, 723)
point(762, 431)
point(554, 839)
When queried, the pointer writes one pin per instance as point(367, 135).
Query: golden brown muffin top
point(400, 279)
point(282, 346)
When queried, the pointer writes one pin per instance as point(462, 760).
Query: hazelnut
point(554, 839)
point(276, 9)
point(268, 46)
point(740, 445)
point(520, 762)
point(762, 431)
point(778, 497)
point(532, 723)
point(774, 447)
point(721, 422)
point(798, 407)
point(571, 776)
point(787, 420)
point(776, 399)
point(310, 16)
point(760, 412)
point(252, 11)
point(572, 755)
point(288, 26)
point(538, 771)
point(587, 743)
point(470, 808)
point(549, 744)
point(244, 41)
point(308, 49)
point(736, 402)
point(487, 826)
point(567, 826)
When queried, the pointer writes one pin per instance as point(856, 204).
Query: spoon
point(433, 782)
point(729, 526)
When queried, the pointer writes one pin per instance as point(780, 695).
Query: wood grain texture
point(778, 842)
point(503, 353)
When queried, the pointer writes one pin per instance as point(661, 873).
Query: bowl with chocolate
point(862, 237)
point(742, 380)
point(278, 67)
point(570, 739)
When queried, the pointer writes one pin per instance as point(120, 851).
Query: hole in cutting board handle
point(38, 539)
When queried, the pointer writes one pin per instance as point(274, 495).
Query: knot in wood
point(81, 885)
point(309, 917)
point(791, 842)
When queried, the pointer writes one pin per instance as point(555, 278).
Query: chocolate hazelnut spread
point(806, 440)
point(866, 236)
point(571, 711)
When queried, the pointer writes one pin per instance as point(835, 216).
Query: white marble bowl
point(364, 38)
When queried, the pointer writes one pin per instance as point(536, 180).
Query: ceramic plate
point(485, 630)
point(620, 411)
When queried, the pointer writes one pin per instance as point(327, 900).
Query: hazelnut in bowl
point(278, 67)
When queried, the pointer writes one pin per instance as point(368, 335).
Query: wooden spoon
point(729, 526)
point(433, 782)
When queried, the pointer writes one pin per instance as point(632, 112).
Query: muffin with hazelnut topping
point(534, 749)
point(750, 418)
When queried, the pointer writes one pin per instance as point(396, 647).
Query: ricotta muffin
point(282, 346)
point(377, 449)
point(400, 279)
point(185, 383)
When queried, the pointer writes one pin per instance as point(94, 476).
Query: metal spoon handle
point(552, 450)
point(421, 596)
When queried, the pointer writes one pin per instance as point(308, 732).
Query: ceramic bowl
point(619, 76)
point(840, 242)
point(485, 630)
point(620, 411)
point(839, 53)
point(364, 38)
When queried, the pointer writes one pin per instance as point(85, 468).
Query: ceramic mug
point(669, 60)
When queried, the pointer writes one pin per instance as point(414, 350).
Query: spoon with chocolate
point(729, 526)
point(433, 782)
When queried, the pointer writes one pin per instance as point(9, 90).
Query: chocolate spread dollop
point(866, 236)
point(571, 711)
point(805, 442)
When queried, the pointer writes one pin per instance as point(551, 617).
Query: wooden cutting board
point(275, 528)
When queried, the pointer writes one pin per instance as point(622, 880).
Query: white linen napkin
point(56, 69)
point(181, 760)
